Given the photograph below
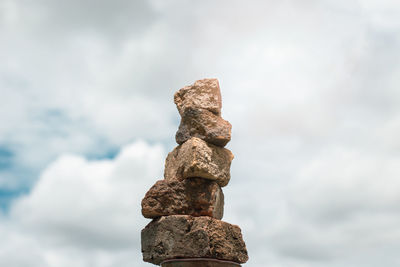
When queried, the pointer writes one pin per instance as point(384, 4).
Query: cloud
point(310, 88)
point(348, 183)
point(69, 89)
point(339, 209)
point(116, 19)
point(89, 209)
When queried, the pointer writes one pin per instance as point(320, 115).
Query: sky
point(87, 118)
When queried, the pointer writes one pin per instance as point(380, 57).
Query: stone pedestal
point(199, 263)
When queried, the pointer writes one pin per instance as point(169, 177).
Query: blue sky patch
point(7, 196)
point(6, 158)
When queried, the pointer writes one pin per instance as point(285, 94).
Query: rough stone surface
point(204, 94)
point(203, 124)
point(183, 236)
point(196, 197)
point(198, 262)
point(197, 158)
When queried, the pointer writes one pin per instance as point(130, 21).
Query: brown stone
point(204, 94)
point(183, 236)
point(197, 158)
point(199, 262)
point(203, 124)
point(196, 197)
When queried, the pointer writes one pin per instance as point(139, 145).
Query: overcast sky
point(312, 89)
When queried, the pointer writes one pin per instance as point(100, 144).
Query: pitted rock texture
point(183, 236)
point(196, 197)
point(204, 94)
point(197, 158)
point(205, 125)
point(199, 262)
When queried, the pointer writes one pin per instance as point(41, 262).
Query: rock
point(183, 236)
point(196, 197)
point(196, 158)
point(204, 94)
point(199, 262)
point(203, 124)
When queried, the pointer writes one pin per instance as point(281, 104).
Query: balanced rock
point(196, 197)
point(197, 158)
point(203, 124)
point(183, 236)
point(204, 94)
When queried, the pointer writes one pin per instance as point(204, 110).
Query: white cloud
point(341, 208)
point(310, 87)
point(341, 183)
point(84, 213)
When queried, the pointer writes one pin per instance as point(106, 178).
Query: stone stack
point(188, 205)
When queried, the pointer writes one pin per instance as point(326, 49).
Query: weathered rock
point(196, 197)
point(183, 236)
point(197, 158)
point(204, 94)
point(199, 262)
point(203, 124)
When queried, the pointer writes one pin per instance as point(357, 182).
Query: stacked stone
point(188, 205)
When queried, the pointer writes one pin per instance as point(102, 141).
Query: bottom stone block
point(199, 263)
point(184, 236)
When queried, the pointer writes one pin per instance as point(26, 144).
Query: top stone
point(204, 94)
